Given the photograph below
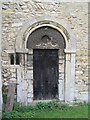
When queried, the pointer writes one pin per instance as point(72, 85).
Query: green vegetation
point(52, 109)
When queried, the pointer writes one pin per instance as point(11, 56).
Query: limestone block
point(13, 76)
point(24, 7)
point(29, 100)
point(17, 24)
point(5, 83)
point(29, 74)
point(31, 52)
point(79, 72)
point(61, 61)
point(30, 67)
point(61, 68)
point(5, 75)
point(61, 89)
point(84, 96)
point(30, 95)
point(61, 76)
point(24, 97)
point(84, 88)
point(30, 86)
point(19, 93)
point(26, 11)
point(24, 85)
point(5, 62)
point(12, 80)
point(13, 70)
point(4, 7)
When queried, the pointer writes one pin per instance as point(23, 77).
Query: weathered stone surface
point(29, 74)
point(16, 13)
point(16, 24)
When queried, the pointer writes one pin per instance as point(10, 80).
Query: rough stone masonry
point(15, 15)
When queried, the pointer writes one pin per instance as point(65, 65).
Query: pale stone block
point(24, 97)
point(61, 89)
point(30, 86)
point(61, 69)
point(13, 75)
point(61, 61)
point(29, 74)
point(17, 24)
point(79, 72)
point(29, 100)
point(30, 95)
point(61, 76)
point(24, 85)
point(13, 70)
point(68, 57)
point(30, 67)
point(30, 52)
point(84, 96)
point(19, 93)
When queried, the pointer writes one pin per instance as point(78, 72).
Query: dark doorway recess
point(45, 74)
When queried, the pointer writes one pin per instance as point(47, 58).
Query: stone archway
point(48, 46)
point(25, 95)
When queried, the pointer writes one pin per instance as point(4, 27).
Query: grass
point(76, 112)
point(48, 110)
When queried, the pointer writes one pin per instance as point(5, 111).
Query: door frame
point(70, 52)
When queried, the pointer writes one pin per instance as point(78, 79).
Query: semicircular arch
point(35, 23)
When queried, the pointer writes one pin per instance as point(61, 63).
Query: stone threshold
point(34, 102)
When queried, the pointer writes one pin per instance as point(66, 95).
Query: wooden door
point(45, 74)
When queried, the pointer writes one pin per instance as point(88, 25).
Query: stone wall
point(0, 68)
point(75, 15)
